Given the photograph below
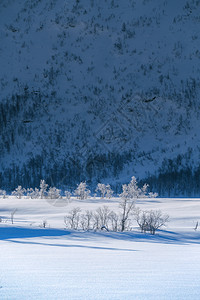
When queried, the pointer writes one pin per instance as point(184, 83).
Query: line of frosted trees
point(44, 191)
point(103, 218)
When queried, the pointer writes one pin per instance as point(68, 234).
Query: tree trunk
point(123, 225)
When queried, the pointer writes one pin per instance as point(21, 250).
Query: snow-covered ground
point(56, 263)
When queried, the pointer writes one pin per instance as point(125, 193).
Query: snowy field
point(56, 263)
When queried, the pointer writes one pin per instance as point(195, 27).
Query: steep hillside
point(100, 91)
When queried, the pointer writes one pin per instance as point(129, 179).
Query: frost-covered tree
point(105, 190)
point(82, 192)
point(33, 193)
point(19, 192)
point(144, 192)
point(145, 188)
point(102, 189)
point(53, 193)
point(43, 189)
point(152, 195)
point(3, 193)
point(109, 191)
point(131, 192)
point(127, 200)
point(29, 191)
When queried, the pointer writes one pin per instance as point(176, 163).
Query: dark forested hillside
point(100, 91)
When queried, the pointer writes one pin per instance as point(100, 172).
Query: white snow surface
point(57, 263)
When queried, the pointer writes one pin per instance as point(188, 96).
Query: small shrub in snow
point(19, 192)
point(33, 193)
point(153, 195)
point(3, 194)
point(44, 223)
point(53, 193)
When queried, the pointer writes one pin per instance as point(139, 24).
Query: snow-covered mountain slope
point(99, 91)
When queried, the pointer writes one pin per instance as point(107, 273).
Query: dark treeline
point(174, 178)
point(172, 182)
point(183, 183)
point(65, 174)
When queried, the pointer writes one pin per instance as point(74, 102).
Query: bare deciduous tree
point(131, 192)
point(102, 189)
point(114, 220)
point(87, 221)
point(73, 218)
point(127, 200)
point(150, 220)
point(97, 222)
point(104, 216)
